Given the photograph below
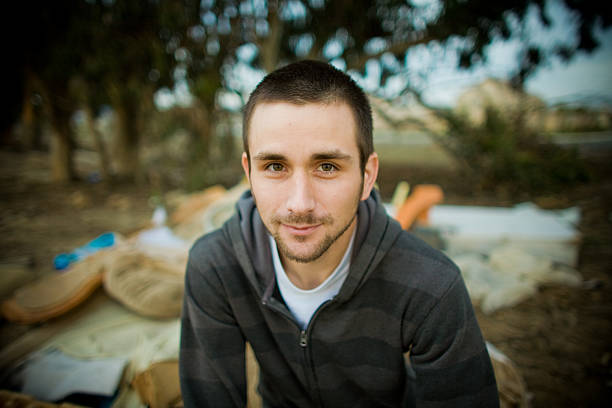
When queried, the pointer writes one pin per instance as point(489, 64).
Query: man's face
point(305, 175)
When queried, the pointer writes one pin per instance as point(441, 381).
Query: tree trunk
point(205, 126)
point(57, 107)
point(27, 121)
point(62, 168)
point(226, 142)
point(99, 143)
point(31, 114)
point(270, 48)
point(127, 142)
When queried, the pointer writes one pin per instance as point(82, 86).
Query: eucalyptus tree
point(126, 50)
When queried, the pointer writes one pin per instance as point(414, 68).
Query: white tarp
point(539, 232)
point(107, 336)
point(51, 375)
point(505, 254)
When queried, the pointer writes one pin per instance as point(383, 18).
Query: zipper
point(303, 339)
point(310, 375)
point(274, 305)
point(302, 342)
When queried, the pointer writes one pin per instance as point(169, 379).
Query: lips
point(300, 230)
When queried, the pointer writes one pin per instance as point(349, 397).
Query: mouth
point(300, 230)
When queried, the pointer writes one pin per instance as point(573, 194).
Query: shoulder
point(409, 246)
point(213, 267)
point(210, 252)
point(208, 244)
point(416, 264)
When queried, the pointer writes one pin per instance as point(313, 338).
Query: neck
point(310, 275)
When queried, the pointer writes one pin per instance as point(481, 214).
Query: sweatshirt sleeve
point(449, 355)
point(211, 357)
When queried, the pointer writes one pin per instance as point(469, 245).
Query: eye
point(327, 167)
point(275, 167)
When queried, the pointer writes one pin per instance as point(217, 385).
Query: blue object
point(62, 261)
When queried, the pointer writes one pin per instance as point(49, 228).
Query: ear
point(369, 175)
point(245, 166)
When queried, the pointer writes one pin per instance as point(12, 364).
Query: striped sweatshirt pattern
point(400, 296)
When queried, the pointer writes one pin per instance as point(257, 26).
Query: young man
point(328, 290)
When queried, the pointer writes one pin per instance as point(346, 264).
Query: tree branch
point(359, 61)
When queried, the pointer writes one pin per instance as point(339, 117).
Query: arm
point(449, 355)
point(211, 358)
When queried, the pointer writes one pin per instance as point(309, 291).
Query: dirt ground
point(560, 340)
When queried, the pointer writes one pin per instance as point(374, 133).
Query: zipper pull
point(303, 339)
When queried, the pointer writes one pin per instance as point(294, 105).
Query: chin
point(302, 255)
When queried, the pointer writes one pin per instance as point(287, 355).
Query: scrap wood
point(211, 216)
point(14, 399)
point(101, 329)
point(149, 286)
point(14, 273)
point(195, 203)
point(54, 294)
point(158, 386)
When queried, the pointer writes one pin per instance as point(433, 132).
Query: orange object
point(417, 205)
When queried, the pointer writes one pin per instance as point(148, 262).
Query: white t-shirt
point(303, 303)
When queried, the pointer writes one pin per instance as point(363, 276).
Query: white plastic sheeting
point(52, 375)
point(505, 254)
point(107, 330)
point(549, 233)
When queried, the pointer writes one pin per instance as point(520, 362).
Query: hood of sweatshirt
point(376, 233)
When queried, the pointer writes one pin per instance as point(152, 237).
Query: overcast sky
point(586, 79)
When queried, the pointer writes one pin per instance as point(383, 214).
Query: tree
point(115, 52)
point(353, 32)
point(130, 58)
point(125, 50)
point(46, 53)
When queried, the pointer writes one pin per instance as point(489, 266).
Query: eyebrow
point(325, 155)
point(265, 156)
point(332, 155)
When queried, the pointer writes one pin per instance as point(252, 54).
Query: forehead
point(282, 125)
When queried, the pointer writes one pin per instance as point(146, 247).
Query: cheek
point(267, 198)
point(341, 199)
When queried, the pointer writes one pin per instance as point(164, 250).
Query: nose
point(301, 194)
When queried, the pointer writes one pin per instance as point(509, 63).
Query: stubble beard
point(321, 248)
point(309, 219)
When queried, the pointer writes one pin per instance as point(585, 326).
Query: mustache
point(298, 219)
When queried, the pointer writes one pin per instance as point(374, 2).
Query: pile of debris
point(122, 343)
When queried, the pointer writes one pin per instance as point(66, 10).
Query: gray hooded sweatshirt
point(400, 296)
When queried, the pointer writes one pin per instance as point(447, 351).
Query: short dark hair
point(314, 82)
